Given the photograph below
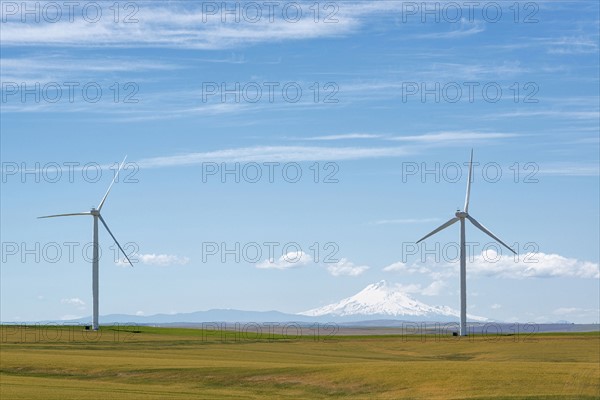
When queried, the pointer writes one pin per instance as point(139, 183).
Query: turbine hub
point(461, 214)
point(93, 211)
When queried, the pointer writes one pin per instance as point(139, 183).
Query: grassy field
point(168, 363)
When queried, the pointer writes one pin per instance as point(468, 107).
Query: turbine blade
point(490, 234)
point(111, 184)
point(466, 208)
point(66, 215)
point(115, 239)
point(444, 226)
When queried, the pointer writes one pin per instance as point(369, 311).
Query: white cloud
point(292, 259)
point(403, 267)
point(433, 289)
point(492, 264)
point(345, 268)
point(495, 306)
point(296, 259)
point(161, 260)
point(397, 266)
point(139, 313)
point(539, 265)
point(74, 301)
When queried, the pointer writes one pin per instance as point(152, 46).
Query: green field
point(165, 363)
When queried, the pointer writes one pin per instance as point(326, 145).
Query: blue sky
point(189, 92)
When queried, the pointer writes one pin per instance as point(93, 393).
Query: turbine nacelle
point(461, 214)
point(95, 212)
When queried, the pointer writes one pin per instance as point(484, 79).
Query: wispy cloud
point(578, 312)
point(404, 221)
point(570, 114)
point(318, 153)
point(187, 25)
point(561, 45)
point(570, 169)
point(164, 29)
point(58, 63)
point(427, 138)
point(62, 77)
point(346, 136)
point(274, 154)
point(572, 45)
point(461, 29)
point(190, 25)
point(452, 136)
point(395, 84)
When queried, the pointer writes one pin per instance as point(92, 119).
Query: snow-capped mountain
point(382, 300)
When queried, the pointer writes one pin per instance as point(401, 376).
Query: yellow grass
point(162, 363)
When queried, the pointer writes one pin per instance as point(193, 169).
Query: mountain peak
point(381, 299)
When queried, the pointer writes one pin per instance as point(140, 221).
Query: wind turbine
point(461, 216)
point(95, 212)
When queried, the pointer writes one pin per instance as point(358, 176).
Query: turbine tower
point(461, 216)
point(95, 212)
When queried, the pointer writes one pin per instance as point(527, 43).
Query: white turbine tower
point(461, 216)
point(95, 212)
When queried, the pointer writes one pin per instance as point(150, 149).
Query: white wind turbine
point(95, 212)
point(461, 216)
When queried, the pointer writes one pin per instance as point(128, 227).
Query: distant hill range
point(377, 302)
point(377, 305)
